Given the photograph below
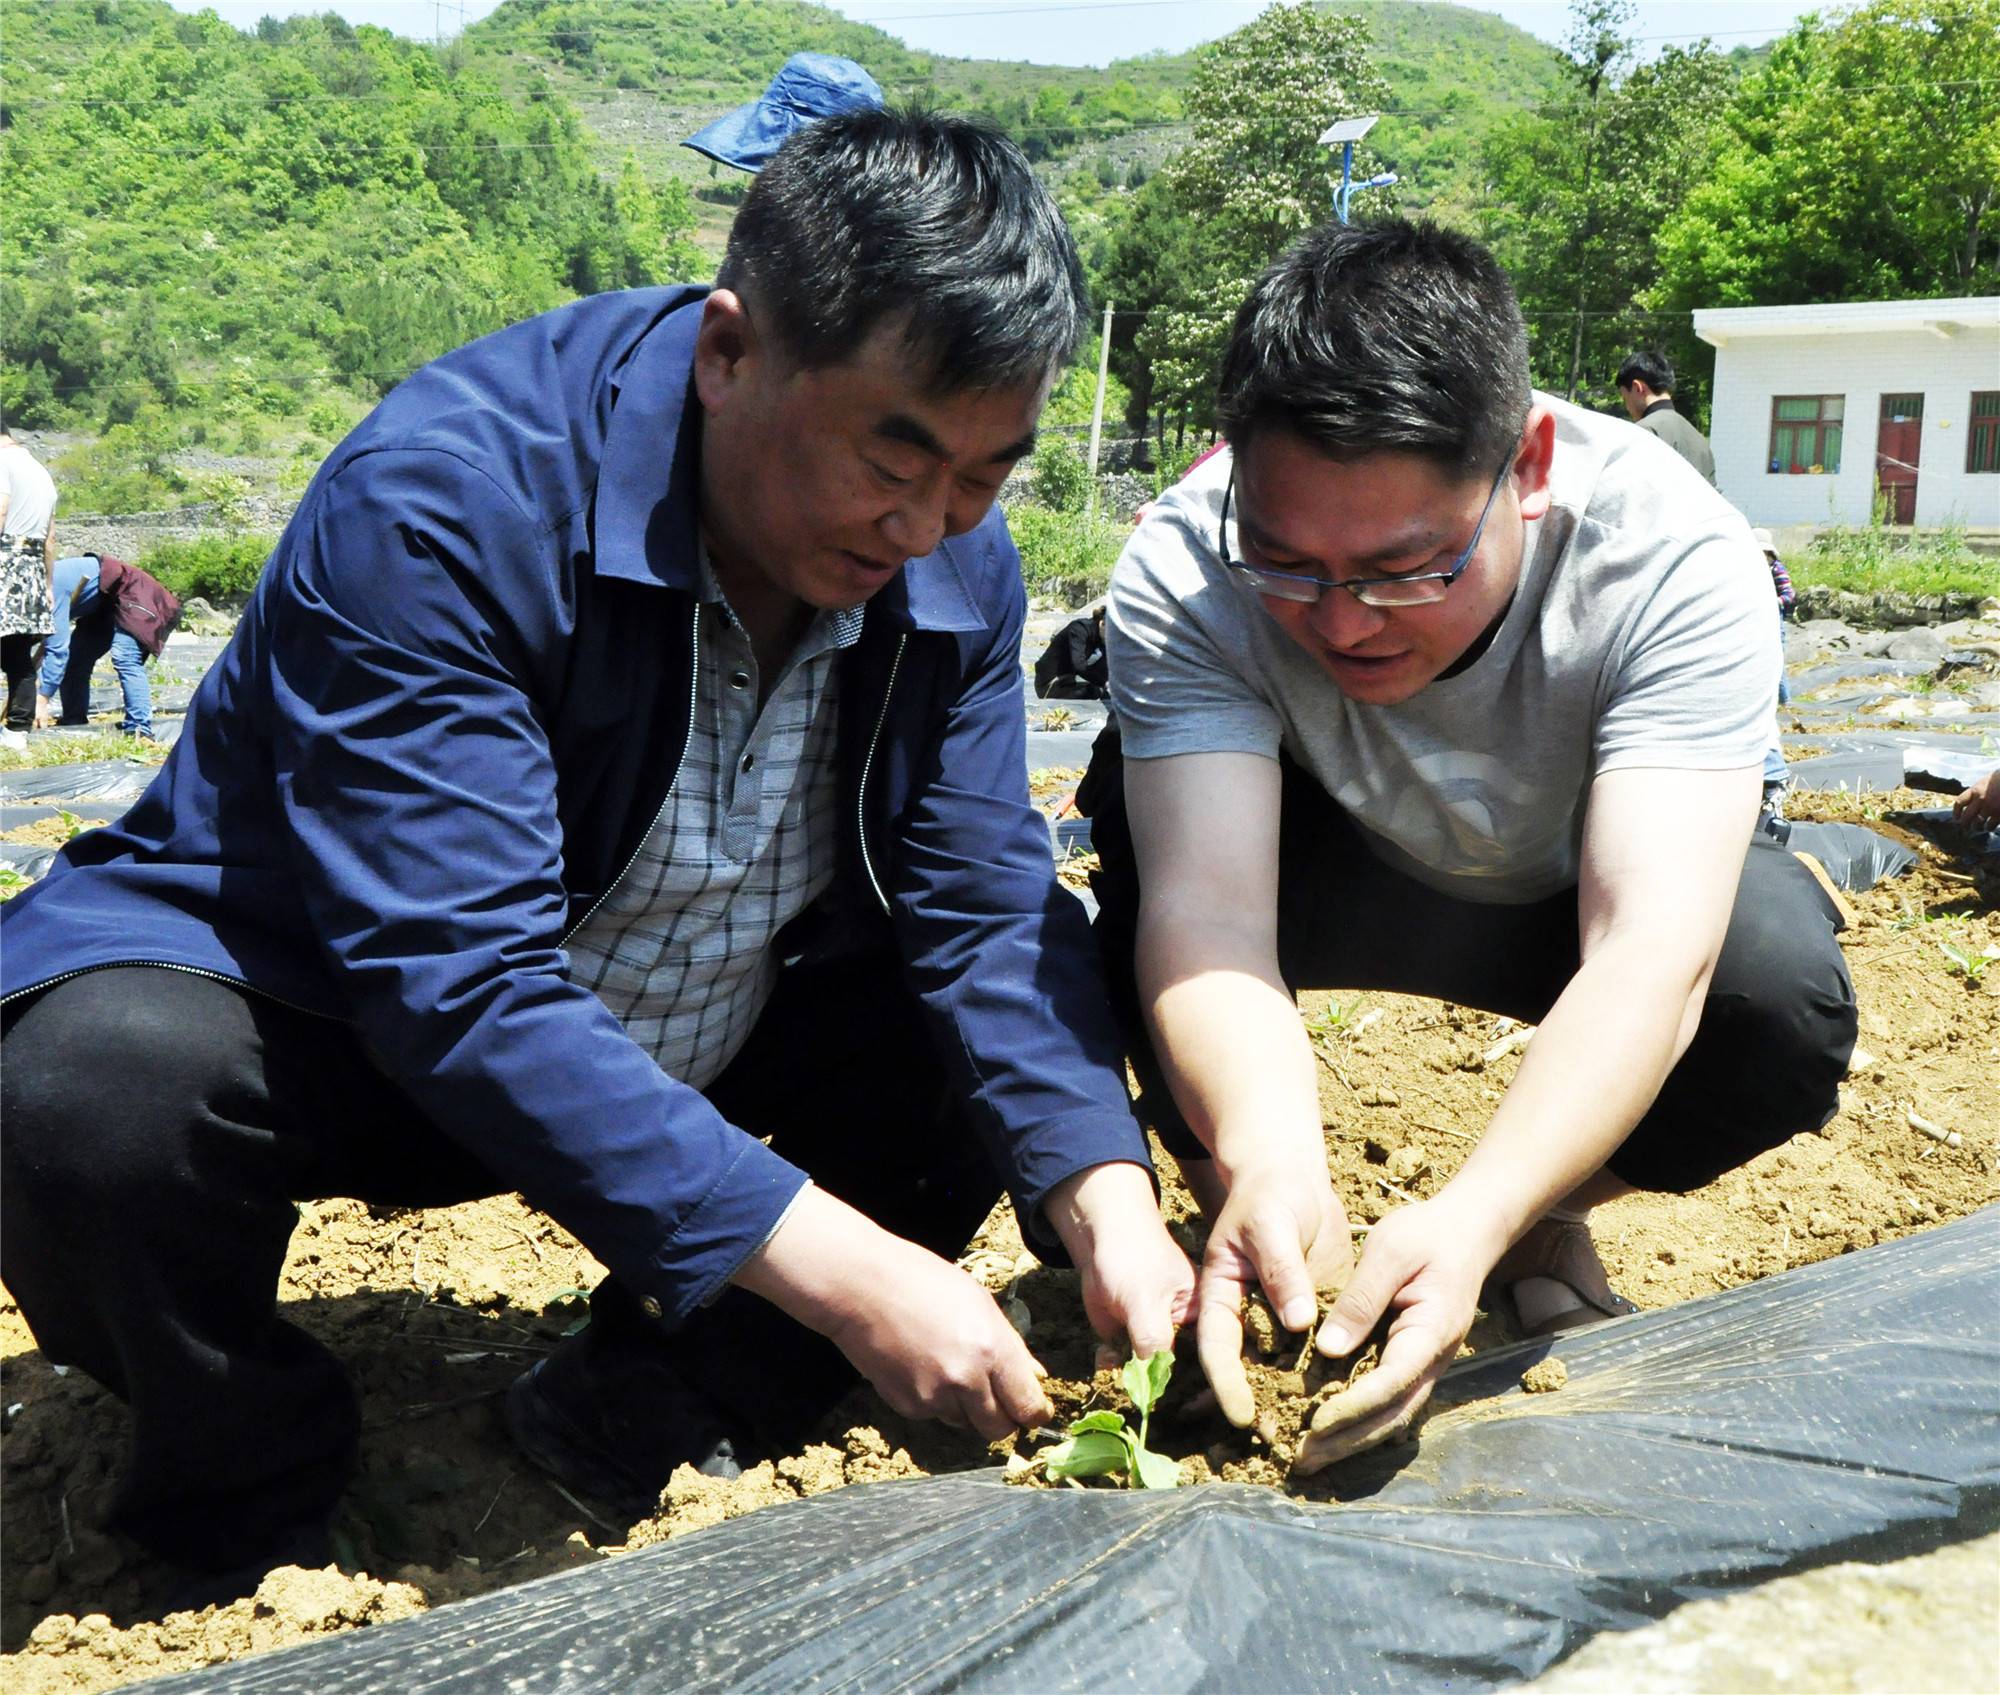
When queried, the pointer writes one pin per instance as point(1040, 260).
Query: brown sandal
point(1561, 1249)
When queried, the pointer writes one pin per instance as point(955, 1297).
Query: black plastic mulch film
point(1842, 1411)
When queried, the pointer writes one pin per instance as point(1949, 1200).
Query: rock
point(1915, 644)
point(198, 618)
point(1544, 1377)
point(1408, 1163)
point(1874, 644)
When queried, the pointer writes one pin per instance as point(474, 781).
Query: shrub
point(219, 568)
point(1061, 479)
point(326, 419)
point(125, 470)
point(1065, 554)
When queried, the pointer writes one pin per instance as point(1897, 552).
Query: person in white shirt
point(27, 559)
point(1437, 685)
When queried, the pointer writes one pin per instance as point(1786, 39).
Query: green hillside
point(644, 74)
point(204, 227)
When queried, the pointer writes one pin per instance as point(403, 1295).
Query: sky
point(1080, 32)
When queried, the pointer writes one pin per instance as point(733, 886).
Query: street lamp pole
point(1344, 135)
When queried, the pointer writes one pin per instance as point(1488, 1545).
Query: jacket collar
point(648, 527)
point(649, 485)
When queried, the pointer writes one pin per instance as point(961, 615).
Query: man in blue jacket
point(615, 792)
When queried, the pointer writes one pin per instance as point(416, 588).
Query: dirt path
point(436, 1311)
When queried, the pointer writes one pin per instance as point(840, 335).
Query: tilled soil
point(437, 1310)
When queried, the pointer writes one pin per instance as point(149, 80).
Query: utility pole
point(1097, 410)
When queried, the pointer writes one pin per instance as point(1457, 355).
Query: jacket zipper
point(694, 690)
point(867, 765)
point(174, 965)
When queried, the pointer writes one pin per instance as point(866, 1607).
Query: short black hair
point(1649, 366)
point(871, 214)
point(1390, 336)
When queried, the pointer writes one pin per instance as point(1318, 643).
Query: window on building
point(1805, 433)
point(1982, 439)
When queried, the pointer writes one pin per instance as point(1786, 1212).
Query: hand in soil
point(1283, 1230)
point(927, 1337)
point(1424, 1263)
point(1138, 1287)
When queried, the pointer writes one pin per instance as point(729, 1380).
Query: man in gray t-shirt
point(1438, 685)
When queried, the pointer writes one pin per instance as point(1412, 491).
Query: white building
point(1831, 414)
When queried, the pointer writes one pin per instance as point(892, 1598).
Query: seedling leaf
point(1156, 1471)
point(1109, 1422)
point(1092, 1453)
point(1101, 1443)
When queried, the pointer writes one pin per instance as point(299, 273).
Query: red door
point(1898, 441)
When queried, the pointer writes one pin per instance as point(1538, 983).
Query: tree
point(1252, 176)
point(1586, 181)
point(1862, 163)
point(1254, 169)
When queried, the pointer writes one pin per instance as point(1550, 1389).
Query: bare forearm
point(1596, 1064)
point(1229, 1040)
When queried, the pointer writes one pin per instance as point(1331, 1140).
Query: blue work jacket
point(454, 706)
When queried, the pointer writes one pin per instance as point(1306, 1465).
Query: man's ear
point(1533, 459)
point(725, 347)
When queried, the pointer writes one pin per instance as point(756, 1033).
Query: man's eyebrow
point(900, 426)
point(1422, 541)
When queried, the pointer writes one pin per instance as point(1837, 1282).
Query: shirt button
point(650, 1306)
point(749, 759)
point(739, 679)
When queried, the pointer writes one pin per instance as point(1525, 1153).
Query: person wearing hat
point(615, 792)
point(811, 86)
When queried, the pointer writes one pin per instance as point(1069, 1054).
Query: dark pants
point(156, 1128)
point(1765, 1064)
point(17, 661)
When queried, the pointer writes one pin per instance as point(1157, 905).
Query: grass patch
point(1873, 561)
point(1066, 555)
point(93, 749)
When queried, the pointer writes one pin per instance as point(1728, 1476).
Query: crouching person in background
point(615, 792)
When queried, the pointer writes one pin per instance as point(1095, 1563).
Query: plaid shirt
point(680, 949)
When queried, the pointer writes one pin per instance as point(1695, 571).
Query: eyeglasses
point(1424, 588)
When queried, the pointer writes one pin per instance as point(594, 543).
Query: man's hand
point(1138, 1287)
point(929, 1339)
point(1979, 807)
point(1425, 1263)
point(1282, 1228)
point(45, 712)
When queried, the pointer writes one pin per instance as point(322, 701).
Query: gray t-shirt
point(1640, 636)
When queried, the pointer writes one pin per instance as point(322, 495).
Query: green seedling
point(1972, 966)
point(1102, 1444)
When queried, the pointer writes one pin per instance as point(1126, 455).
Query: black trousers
point(157, 1126)
point(18, 662)
point(1765, 1064)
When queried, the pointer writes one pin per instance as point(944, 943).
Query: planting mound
point(1519, 1528)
